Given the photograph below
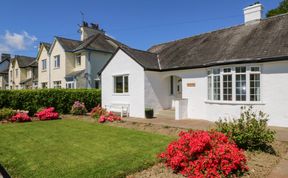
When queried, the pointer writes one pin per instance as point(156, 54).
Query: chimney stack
point(87, 30)
point(253, 13)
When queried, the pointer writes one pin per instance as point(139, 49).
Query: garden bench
point(123, 109)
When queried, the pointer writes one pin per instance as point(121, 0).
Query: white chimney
point(87, 30)
point(253, 13)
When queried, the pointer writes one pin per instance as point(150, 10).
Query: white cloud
point(16, 41)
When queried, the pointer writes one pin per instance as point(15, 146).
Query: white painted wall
point(123, 64)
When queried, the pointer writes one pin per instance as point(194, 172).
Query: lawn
point(71, 148)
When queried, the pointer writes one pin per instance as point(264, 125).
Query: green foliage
point(281, 9)
point(6, 113)
point(250, 131)
point(60, 99)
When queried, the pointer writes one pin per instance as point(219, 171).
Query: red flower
point(204, 154)
point(20, 117)
point(47, 114)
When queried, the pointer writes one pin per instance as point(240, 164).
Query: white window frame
point(57, 62)
point(44, 64)
point(123, 87)
point(57, 84)
point(78, 60)
point(72, 83)
point(45, 84)
point(210, 96)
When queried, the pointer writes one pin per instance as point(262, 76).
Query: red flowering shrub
point(111, 117)
point(205, 154)
point(97, 112)
point(47, 114)
point(20, 117)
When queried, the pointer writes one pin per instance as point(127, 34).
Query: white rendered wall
point(43, 75)
point(122, 64)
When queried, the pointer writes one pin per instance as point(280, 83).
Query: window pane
point(126, 84)
point(241, 87)
point(240, 69)
point(216, 71)
point(254, 87)
point(227, 70)
point(118, 81)
point(209, 88)
point(227, 87)
point(255, 69)
point(216, 82)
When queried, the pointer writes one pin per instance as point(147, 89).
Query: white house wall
point(123, 64)
point(58, 74)
point(43, 75)
point(274, 96)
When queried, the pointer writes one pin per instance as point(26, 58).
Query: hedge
point(61, 99)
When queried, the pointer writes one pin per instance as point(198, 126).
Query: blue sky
point(139, 24)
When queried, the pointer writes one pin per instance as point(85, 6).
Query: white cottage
point(207, 76)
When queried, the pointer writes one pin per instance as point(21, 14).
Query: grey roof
point(25, 81)
point(23, 61)
point(68, 44)
point(47, 46)
point(146, 59)
point(33, 64)
point(4, 72)
point(74, 73)
point(97, 42)
point(266, 40)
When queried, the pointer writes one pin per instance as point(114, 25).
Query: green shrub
point(6, 113)
point(60, 99)
point(250, 131)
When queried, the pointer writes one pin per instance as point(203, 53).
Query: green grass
point(70, 148)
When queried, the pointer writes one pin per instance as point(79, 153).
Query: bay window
point(121, 84)
point(240, 84)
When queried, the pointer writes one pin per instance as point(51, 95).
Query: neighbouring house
point(4, 68)
point(22, 72)
point(68, 63)
point(206, 76)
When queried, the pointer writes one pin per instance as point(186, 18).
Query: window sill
point(56, 68)
point(44, 70)
point(234, 102)
point(120, 94)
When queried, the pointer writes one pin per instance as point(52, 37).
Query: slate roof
point(263, 41)
point(25, 81)
point(4, 72)
point(146, 59)
point(24, 61)
point(47, 46)
point(75, 73)
point(68, 44)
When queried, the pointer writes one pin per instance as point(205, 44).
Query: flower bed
point(47, 114)
point(205, 154)
point(103, 115)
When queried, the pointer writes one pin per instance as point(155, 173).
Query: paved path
point(281, 169)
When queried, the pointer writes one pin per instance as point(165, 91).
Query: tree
point(281, 9)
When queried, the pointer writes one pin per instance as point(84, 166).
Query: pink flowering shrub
point(20, 117)
point(205, 154)
point(47, 114)
point(78, 108)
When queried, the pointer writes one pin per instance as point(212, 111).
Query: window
point(255, 84)
point(171, 85)
point(121, 84)
point(97, 84)
point(57, 84)
point(16, 73)
point(44, 85)
point(11, 74)
point(216, 84)
point(234, 84)
point(240, 83)
point(29, 74)
point(78, 60)
point(70, 85)
point(227, 84)
point(57, 61)
point(44, 64)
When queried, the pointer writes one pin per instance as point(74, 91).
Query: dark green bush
point(250, 131)
point(61, 99)
point(149, 113)
point(6, 113)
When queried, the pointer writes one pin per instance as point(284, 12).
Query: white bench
point(123, 109)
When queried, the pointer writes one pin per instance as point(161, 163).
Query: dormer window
point(78, 60)
point(57, 61)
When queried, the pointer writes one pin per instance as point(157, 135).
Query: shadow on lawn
point(4, 172)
